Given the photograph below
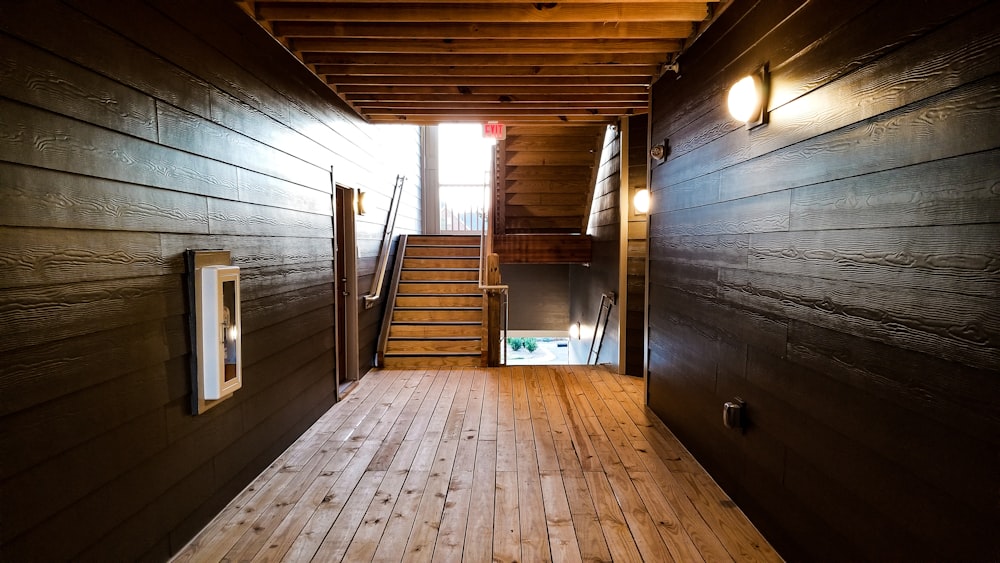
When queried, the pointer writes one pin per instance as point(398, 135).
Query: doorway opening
point(345, 291)
point(463, 177)
point(537, 347)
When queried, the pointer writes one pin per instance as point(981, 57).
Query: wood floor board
point(528, 463)
point(479, 531)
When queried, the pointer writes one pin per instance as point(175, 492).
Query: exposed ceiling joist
point(577, 61)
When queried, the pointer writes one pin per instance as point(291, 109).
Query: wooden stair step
point(440, 288)
point(431, 274)
point(444, 240)
point(433, 346)
point(442, 251)
point(440, 263)
point(433, 301)
point(404, 362)
point(437, 315)
point(468, 330)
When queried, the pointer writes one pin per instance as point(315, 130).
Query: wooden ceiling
point(586, 61)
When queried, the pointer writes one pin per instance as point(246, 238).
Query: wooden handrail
point(375, 293)
point(383, 337)
point(494, 294)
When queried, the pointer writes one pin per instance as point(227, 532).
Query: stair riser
point(431, 331)
point(442, 316)
point(443, 240)
point(441, 263)
point(433, 346)
point(403, 362)
point(440, 275)
point(439, 288)
point(442, 251)
point(439, 301)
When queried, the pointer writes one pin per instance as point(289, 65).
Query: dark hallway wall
point(539, 296)
point(837, 269)
point(129, 132)
point(587, 283)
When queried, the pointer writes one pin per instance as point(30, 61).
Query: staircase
point(437, 309)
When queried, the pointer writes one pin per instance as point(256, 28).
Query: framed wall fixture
point(215, 327)
point(747, 98)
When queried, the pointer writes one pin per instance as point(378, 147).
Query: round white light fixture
point(574, 331)
point(641, 201)
point(745, 99)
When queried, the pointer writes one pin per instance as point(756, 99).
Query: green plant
point(515, 343)
point(531, 344)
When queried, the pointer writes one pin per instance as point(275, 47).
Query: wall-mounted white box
point(219, 331)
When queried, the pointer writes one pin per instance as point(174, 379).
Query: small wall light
point(747, 99)
point(574, 330)
point(359, 203)
point(641, 201)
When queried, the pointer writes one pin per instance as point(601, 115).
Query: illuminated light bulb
point(641, 201)
point(745, 99)
point(574, 331)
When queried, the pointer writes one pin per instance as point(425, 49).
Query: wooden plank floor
point(520, 463)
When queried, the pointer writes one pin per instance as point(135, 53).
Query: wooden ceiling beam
point(521, 46)
point(485, 30)
point(383, 70)
point(349, 89)
point(491, 113)
point(247, 5)
point(483, 12)
point(477, 60)
point(460, 99)
point(548, 118)
point(419, 104)
point(466, 81)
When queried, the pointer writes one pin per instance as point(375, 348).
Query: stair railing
point(495, 294)
point(375, 293)
point(607, 301)
point(383, 336)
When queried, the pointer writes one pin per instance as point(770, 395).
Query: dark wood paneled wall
point(635, 263)
point(837, 269)
point(587, 283)
point(130, 132)
point(539, 296)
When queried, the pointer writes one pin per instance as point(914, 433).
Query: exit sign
point(494, 130)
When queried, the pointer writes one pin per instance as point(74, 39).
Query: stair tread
point(437, 323)
point(420, 354)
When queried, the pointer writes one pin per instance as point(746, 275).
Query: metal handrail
point(375, 293)
point(383, 336)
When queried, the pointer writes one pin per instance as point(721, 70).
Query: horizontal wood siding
point(539, 296)
point(587, 283)
point(835, 268)
point(635, 280)
point(130, 132)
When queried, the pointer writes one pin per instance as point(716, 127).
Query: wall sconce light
point(658, 152)
point(641, 201)
point(747, 99)
point(574, 330)
point(359, 203)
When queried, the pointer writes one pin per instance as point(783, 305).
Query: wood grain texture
point(32, 136)
point(158, 134)
point(158, 79)
point(957, 327)
point(950, 191)
point(961, 259)
point(520, 497)
point(34, 77)
point(34, 197)
point(859, 296)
